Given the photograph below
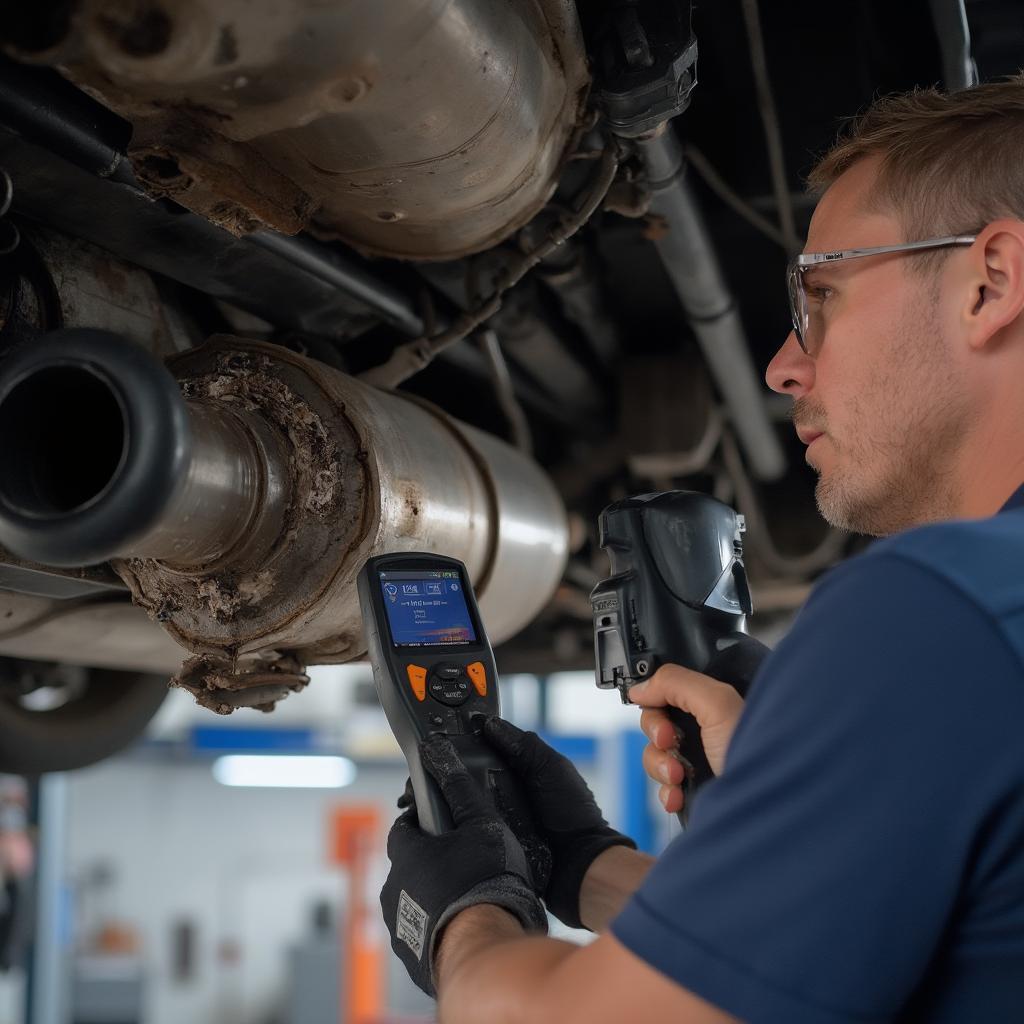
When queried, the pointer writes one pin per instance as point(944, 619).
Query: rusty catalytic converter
point(238, 492)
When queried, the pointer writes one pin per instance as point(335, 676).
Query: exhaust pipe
point(239, 491)
point(100, 458)
point(689, 258)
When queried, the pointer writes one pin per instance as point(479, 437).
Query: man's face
point(881, 389)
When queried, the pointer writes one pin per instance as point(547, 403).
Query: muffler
point(238, 491)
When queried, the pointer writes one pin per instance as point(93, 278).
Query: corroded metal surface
point(369, 472)
point(229, 609)
point(295, 474)
point(53, 280)
point(423, 130)
point(224, 686)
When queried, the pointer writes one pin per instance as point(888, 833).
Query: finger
point(404, 823)
point(507, 738)
point(672, 798)
point(504, 736)
point(662, 767)
point(660, 729)
point(709, 701)
point(524, 752)
point(464, 798)
point(537, 766)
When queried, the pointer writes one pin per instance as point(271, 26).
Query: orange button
point(418, 680)
point(478, 675)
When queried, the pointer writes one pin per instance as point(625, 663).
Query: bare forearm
point(491, 972)
point(488, 969)
point(609, 882)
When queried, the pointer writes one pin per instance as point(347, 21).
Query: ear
point(995, 280)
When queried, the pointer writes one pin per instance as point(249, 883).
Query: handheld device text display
point(426, 609)
point(434, 671)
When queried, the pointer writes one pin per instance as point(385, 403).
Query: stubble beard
point(900, 471)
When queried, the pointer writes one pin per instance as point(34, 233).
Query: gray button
point(452, 693)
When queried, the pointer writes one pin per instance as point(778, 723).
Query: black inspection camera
point(678, 595)
point(434, 672)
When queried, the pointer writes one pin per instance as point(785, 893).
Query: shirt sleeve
point(820, 870)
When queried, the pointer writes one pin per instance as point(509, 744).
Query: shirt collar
point(1016, 500)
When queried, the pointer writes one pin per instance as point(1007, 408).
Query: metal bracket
point(645, 57)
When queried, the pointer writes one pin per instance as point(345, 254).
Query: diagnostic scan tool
point(434, 672)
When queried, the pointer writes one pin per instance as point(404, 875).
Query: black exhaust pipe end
point(94, 441)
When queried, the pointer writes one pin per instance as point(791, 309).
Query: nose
point(791, 371)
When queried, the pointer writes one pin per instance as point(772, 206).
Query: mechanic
point(861, 856)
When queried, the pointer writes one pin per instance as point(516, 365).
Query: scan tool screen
point(426, 609)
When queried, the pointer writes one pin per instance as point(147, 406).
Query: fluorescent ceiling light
point(286, 771)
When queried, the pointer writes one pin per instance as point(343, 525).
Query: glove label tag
point(411, 923)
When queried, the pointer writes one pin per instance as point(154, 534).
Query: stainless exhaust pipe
point(100, 458)
point(239, 494)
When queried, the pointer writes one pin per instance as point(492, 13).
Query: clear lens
point(797, 303)
point(808, 320)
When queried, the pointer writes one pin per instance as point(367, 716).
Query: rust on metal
point(300, 115)
point(224, 685)
point(349, 471)
point(213, 612)
point(175, 154)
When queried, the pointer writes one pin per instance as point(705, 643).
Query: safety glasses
point(808, 322)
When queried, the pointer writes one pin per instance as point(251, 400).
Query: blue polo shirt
point(861, 858)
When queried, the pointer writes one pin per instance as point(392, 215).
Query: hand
point(432, 878)
point(538, 856)
point(565, 813)
point(716, 706)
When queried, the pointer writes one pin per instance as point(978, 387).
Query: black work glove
point(565, 813)
point(432, 878)
point(538, 856)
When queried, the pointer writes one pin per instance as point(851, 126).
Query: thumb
point(528, 757)
point(464, 797)
point(518, 748)
point(403, 826)
point(711, 702)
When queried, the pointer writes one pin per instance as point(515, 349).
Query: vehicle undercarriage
point(284, 285)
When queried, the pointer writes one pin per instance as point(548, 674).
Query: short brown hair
point(950, 162)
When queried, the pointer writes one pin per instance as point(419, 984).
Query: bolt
point(642, 667)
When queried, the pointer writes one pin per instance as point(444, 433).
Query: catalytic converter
point(238, 490)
